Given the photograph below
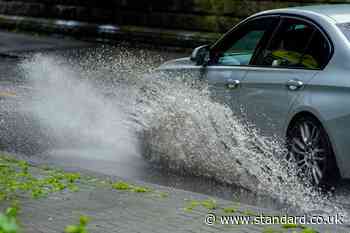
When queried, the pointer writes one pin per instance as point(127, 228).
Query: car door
point(230, 57)
point(280, 72)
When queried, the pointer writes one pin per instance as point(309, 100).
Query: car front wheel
point(310, 148)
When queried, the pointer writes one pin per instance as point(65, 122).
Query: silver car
point(290, 71)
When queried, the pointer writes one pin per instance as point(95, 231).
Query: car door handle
point(294, 84)
point(232, 84)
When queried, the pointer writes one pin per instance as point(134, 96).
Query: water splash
point(187, 130)
point(73, 111)
point(98, 100)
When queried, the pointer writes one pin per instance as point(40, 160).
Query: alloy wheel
point(309, 148)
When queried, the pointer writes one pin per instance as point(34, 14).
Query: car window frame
point(238, 27)
point(312, 22)
point(308, 21)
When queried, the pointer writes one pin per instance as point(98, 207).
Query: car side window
point(238, 48)
point(318, 50)
point(296, 44)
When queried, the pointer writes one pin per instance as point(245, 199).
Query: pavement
point(163, 209)
point(153, 208)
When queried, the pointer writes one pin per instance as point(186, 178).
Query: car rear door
point(280, 73)
point(230, 57)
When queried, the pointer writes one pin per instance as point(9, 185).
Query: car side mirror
point(200, 55)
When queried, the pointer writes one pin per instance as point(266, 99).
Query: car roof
point(340, 13)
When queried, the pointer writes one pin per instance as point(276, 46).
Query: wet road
point(18, 133)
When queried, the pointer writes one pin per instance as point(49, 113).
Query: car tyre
point(310, 149)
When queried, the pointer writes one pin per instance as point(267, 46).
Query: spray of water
point(73, 111)
point(109, 98)
point(187, 130)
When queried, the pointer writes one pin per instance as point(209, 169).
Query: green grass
point(124, 186)
point(8, 221)
point(17, 178)
point(191, 205)
point(121, 186)
point(79, 228)
point(209, 204)
point(229, 210)
point(292, 226)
